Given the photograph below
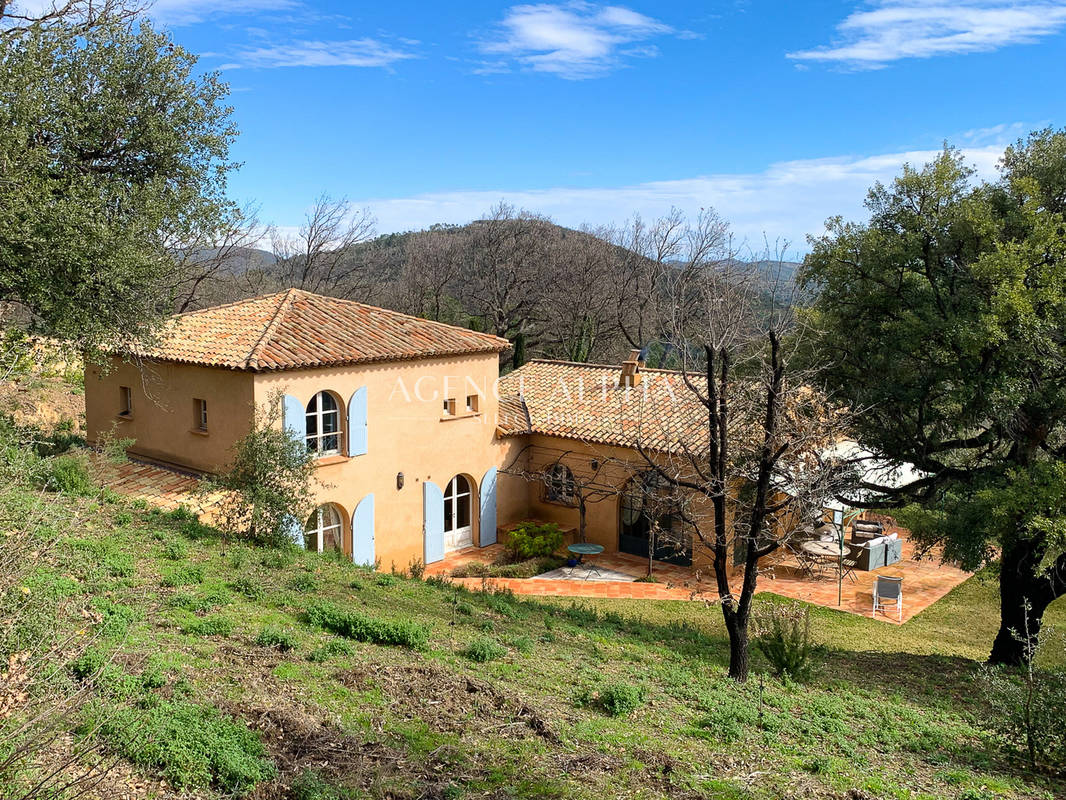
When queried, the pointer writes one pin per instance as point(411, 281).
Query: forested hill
point(579, 295)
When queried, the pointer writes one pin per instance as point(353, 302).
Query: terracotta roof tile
point(296, 329)
point(584, 401)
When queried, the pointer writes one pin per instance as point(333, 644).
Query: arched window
point(559, 486)
point(323, 425)
point(324, 529)
point(458, 531)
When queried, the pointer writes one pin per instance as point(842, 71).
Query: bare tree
point(501, 281)
point(431, 267)
point(578, 307)
point(18, 16)
point(320, 256)
point(210, 264)
point(646, 257)
point(748, 472)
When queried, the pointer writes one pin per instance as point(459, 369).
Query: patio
point(924, 580)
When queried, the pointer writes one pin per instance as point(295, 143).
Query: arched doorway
point(324, 530)
point(646, 512)
point(458, 517)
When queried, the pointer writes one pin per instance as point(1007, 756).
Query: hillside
point(193, 642)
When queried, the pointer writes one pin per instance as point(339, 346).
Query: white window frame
point(318, 516)
point(451, 492)
point(201, 414)
point(315, 440)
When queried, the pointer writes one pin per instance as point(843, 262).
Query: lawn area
point(221, 669)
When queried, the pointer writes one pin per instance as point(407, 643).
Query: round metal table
point(582, 549)
point(824, 549)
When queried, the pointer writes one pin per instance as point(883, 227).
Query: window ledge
point(199, 432)
point(336, 458)
point(123, 417)
point(464, 415)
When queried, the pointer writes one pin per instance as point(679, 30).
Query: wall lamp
point(399, 481)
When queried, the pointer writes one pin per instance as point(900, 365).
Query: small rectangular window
point(449, 407)
point(471, 403)
point(125, 401)
point(200, 418)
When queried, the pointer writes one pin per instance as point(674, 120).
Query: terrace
point(925, 580)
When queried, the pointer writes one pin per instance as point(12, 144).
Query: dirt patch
point(449, 702)
point(43, 402)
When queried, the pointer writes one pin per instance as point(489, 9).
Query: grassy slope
point(893, 711)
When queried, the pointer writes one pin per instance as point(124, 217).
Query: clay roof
point(296, 329)
point(585, 402)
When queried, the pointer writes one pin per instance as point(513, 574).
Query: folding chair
point(888, 591)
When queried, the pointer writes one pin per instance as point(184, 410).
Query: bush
point(519, 569)
point(304, 583)
point(783, 636)
point(68, 474)
point(310, 785)
point(1028, 707)
point(184, 575)
point(192, 745)
point(248, 586)
point(213, 625)
point(331, 649)
point(277, 638)
point(484, 649)
point(619, 699)
point(175, 550)
point(530, 540)
point(402, 633)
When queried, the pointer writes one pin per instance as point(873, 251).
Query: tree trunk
point(738, 649)
point(1023, 592)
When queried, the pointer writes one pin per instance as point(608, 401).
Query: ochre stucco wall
point(406, 433)
point(163, 419)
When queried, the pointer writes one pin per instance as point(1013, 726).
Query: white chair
point(888, 593)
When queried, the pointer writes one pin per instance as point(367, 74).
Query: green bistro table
point(582, 549)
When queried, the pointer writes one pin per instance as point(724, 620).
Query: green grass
point(496, 695)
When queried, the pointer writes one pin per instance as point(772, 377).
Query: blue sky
point(777, 114)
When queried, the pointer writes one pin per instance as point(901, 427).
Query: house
point(421, 449)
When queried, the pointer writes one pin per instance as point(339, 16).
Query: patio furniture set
point(869, 548)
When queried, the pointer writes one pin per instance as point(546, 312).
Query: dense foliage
point(941, 321)
point(112, 153)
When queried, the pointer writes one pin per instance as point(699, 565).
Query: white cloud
point(786, 202)
point(191, 12)
point(890, 30)
point(364, 52)
point(573, 40)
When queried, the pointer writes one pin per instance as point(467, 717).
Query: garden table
point(582, 549)
point(823, 553)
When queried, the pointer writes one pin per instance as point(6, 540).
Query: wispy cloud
point(890, 30)
point(191, 12)
point(365, 52)
point(575, 40)
point(786, 202)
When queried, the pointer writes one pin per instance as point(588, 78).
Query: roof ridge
point(230, 304)
point(251, 362)
point(412, 317)
point(586, 365)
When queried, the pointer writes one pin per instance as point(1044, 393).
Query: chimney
point(631, 369)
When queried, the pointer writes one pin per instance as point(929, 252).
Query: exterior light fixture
point(399, 481)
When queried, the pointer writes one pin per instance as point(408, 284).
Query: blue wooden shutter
point(357, 423)
point(487, 529)
point(294, 417)
point(363, 532)
point(433, 521)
